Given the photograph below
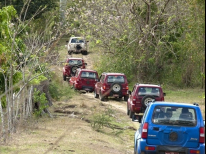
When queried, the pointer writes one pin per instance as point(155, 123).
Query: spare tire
point(74, 69)
point(146, 99)
point(78, 47)
point(116, 88)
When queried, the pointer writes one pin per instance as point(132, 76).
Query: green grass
point(186, 96)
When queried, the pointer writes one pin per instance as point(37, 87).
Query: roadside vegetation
point(160, 42)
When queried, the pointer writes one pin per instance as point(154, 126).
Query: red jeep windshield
point(114, 78)
point(75, 62)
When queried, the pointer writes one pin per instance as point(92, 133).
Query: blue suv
point(170, 128)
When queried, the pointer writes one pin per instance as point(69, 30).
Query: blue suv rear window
point(171, 115)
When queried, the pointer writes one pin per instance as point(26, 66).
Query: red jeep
point(141, 95)
point(71, 66)
point(111, 85)
point(84, 79)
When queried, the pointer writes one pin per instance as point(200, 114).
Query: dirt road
point(70, 131)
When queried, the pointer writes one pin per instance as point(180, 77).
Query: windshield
point(91, 75)
point(119, 79)
point(75, 62)
point(170, 115)
point(77, 40)
point(149, 91)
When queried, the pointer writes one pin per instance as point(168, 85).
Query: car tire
point(116, 88)
point(84, 52)
point(64, 77)
point(69, 52)
point(146, 100)
point(95, 94)
point(126, 98)
point(131, 114)
point(102, 98)
point(74, 69)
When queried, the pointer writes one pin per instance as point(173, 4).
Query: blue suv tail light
point(202, 135)
point(145, 130)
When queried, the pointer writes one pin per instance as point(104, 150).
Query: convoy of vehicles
point(165, 127)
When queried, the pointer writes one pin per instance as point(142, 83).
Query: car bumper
point(160, 149)
point(109, 93)
point(88, 88)
point(78, 51)
point(82, 87)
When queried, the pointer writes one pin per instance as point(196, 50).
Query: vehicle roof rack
point(196, 104)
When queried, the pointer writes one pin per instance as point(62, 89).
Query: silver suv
point(77, 45)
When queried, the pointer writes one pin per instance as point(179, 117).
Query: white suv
point(77, 45)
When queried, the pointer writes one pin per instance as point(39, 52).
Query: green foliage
point(55, 91)
point(100, 120)
point(38, 79)
point(59, 90)
point(3, 102)
point(153, 46)
point(41, 99)
point(33, 6)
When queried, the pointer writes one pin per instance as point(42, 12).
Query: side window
point(73, 40)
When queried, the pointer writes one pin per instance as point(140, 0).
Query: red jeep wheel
point(64, 77)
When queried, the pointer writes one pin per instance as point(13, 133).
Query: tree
point(144, 38)
point(23, 57)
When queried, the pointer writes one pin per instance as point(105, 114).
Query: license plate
point(116, 95)
point(171, 152)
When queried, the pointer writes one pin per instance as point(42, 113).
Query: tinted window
point(114, 78)
point(77, 40)
point(75, 62)
point(149, 91)
point(73, 41)
point(88, 75)
point(180, 116)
